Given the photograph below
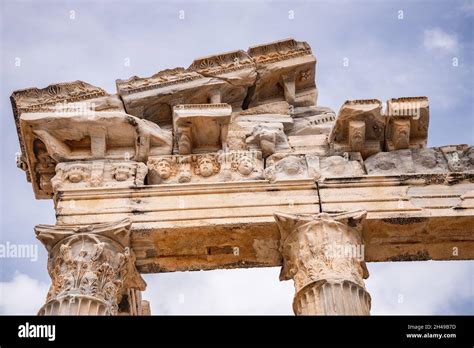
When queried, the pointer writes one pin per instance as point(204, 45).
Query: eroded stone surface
point(101, 173)
point(359, 127)
point(199, 160)
point(310, 246)
point(220, 167)
point(90, 267)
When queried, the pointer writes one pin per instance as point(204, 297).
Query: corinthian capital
point(324, 255)
point(91, 267)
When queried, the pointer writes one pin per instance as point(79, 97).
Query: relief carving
point(424, 161)
point(201, 128)
point(460, 158)
point(103, 173)
point(284, 167)
point(268, 139)
point(91, 267)
point(309, 246)
point(359, 128)
point(407, 123)
point(216, 167)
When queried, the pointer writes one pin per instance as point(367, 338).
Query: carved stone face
point(428, 158)
point(291, 165)
point(163, 168)
point(335, 164)
point(75, 175)
point(357, 135)
point(245, 165)
point(184, 174)
point(206, 167)
point(122, 173)
point(455, 162)
point(401, 138)
point(357, 139)
point(385, 163)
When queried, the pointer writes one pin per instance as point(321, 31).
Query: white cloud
point(421, 288)
point(438, 39)
point(22, 295)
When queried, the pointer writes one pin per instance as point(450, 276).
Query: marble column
point(92, 269)
point(324, 255)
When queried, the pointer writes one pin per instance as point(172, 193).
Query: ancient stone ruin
point(231, 163)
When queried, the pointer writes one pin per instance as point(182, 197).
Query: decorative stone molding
point(328, 280)
point(201, 128)
point(102, 173)
point(241, 165)
point(50, 138)
point(268, 139)
point(279, 50)
point(286, 71)
point(359, 127)
point(407, 121)
point(90, 266)
point(222, 63)
point(312, 120)
point(335, 166)
point(460, 158)
point(163, 78)
point(423, 161)
point(284, 167)
point(218, 167)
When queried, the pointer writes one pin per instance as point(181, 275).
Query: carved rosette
point(323, 254)
point(91, 268)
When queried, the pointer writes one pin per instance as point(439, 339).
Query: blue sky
point(394, 48)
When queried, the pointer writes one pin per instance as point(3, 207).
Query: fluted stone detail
point(332, 298)
point(326, 282)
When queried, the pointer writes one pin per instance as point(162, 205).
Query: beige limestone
point(90, 266)
point(359, 127)
point(188, 169)
point(328, 281)
point(201, 128)
point(218, 167)
point(407, 122)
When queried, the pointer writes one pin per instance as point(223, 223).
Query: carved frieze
point(335, 166)
point(101, 173)
point(50, 138)
point(285, 167)
point(460, 158)
point(390, 163)
point(269, 139)
point(215, 167)
point(423, 161)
